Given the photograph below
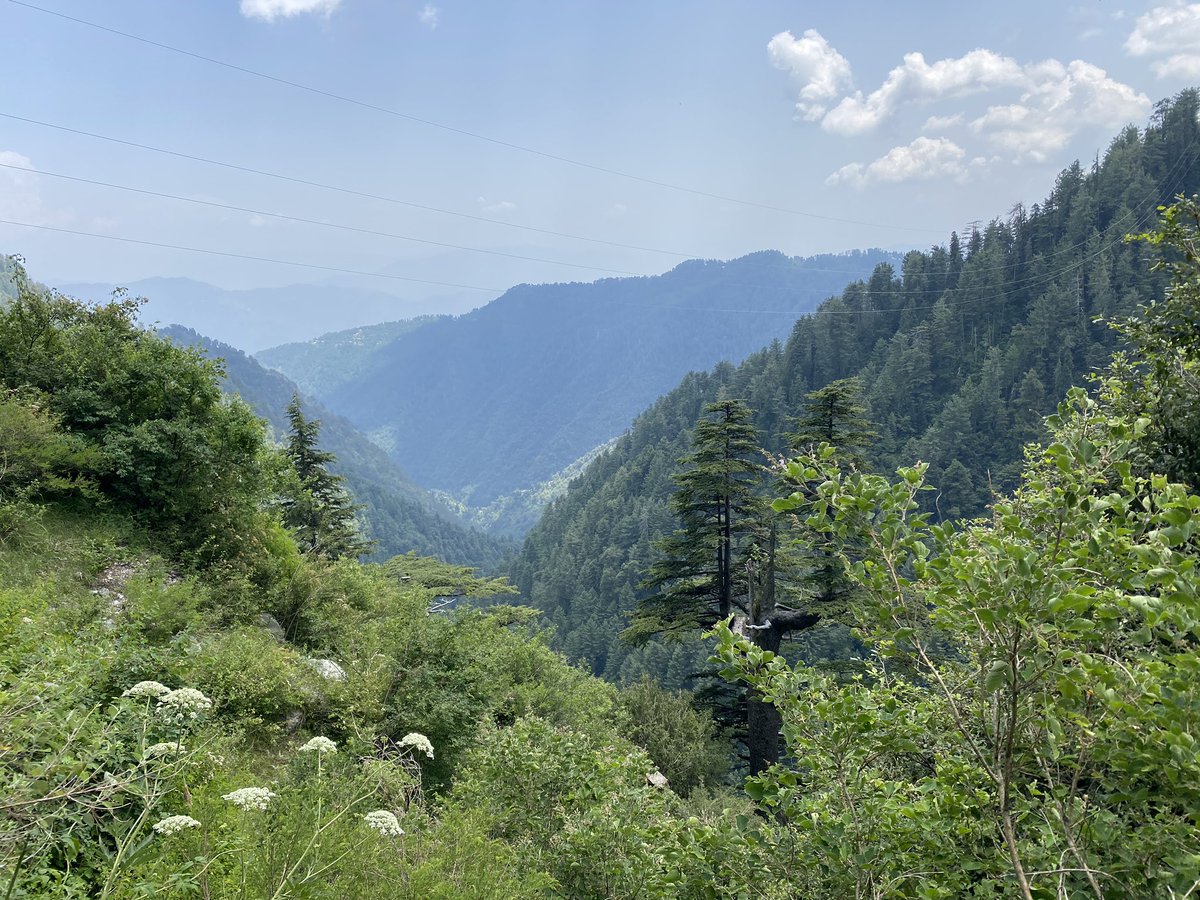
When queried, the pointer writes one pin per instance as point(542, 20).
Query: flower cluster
point(183, 704)
point(250, 798)
point(174, 824)
point(165, 748)
point(418, 742)
point(384, 822)
point(319, 745)
point(152, 689)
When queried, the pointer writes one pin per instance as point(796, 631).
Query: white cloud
point(270, 10)
point(20, 192)
point(1181, 65)
point(924, 159)
point(502, 206)
point(428, 16)
point(818, 70)
point(1059, 101)
point(1172, 32)
point(916, 81)
point(1039, 108)
point(941, 123)
point(1089, 33)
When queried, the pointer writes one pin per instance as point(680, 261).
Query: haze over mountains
point(488, 406)
point(960, 353)
point(263, 317)
point(399, 515)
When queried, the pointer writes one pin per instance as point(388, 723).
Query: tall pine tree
point(698, 576)
point(318, 510)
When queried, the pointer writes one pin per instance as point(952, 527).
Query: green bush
point(682, 740)
point(253, 680)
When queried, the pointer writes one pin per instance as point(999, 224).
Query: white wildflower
point(384, 822)
point(182, 704)
point(250, 798)
point(147, 689)
point(418, 742)
point(166, 748)
point(319, 745)
point(173, 824)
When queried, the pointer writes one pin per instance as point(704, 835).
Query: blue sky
point(909, 120)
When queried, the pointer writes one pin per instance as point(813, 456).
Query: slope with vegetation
point(502, 398)
point(321, 365)
point(158, 740)
point(397, 515)
point(196, 700)
point(959, 355)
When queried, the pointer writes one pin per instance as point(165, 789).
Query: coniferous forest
point(905, 605)
point(956, 357)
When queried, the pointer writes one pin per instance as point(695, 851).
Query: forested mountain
point(504, 397)
point(324, 363)
point(961, 352)
point(398, 514)
point(256, 318)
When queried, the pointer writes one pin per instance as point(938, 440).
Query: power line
point(363, 194)
point(465, 132)
point(1148, 207)
point(289, 218)
point(337, 189)
point(246, 256)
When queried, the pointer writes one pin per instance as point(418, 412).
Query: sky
point(451, 149)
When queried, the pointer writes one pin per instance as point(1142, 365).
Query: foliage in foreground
point(1028, 724)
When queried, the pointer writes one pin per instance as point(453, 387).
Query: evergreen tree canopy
point(835, 415)
point(697, 574)
point(318, 510)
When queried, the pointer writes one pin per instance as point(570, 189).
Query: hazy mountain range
point(489, 406)
point(263, 317)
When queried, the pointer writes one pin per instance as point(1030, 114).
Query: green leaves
point(1048, 648)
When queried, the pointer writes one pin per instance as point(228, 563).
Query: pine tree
point(319, 511)
point(698, 572)
point(835, 415)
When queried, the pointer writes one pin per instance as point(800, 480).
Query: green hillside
point(400, 516)
point(501, 399)
point(323, 364)
point(191, 706)
point(961, 351)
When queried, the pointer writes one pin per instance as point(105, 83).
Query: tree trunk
point(763, 721)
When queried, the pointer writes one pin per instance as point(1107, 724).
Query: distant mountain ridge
point(499, 400)
point(324, 363)
point(960, 351)
point(261, 317)
point(400, 515)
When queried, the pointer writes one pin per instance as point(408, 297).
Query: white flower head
point(183, 704)
point(384, 822)
point(174, 824)
point(319, 745)
point(166, 748)
point(250, 798)
point(147, 689)
point(417, 741)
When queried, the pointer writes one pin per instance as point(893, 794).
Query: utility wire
point(467, 133)
point(1061, 251)
point(341, 190)
point(364, 194)
point(289, 218)
point(281, 262)
point(1148, 207)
